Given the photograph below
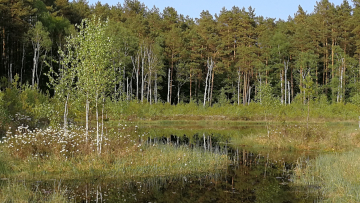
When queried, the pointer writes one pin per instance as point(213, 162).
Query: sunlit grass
point(335, 175)
point(19, 192)
point(300, 137)
point(50, 153)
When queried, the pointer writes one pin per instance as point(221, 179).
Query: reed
point(324, 137)
point(335, 175)
point(21, 192)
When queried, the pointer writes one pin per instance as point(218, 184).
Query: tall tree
point(41, 43)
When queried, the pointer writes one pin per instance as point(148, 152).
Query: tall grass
point(20, 192)
point(324, 137)
point(50, 153)
point(335, 175)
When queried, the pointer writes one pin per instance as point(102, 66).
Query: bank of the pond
point(323, 136)
point(335, 175)
point(49, 153)
point(297, 111)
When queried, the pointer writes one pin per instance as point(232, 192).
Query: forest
point(163, 56)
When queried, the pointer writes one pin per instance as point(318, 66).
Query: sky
point(279, 9)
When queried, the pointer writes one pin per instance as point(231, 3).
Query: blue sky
point(266, 8)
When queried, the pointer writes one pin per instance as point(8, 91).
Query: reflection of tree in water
point(250, 178)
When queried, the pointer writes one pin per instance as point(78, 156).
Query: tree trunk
point(168, 93)
point(34, 66)
point(142, 75)
point(102, 123)
point(97, 124)
point(206, 84)
point(245, 89)
point(155, 88)
point(127, 88)
point(238, 86)
point(22, 62)
point(281, 85)
point(210, 65)
point(288, 83)
point(249, 97)
point(212, 86)
point(66, 114)
point(171, 77)
point(190, 84)
point(178, 93)
point(286, 66)
point(149, 85)
point(87, 109)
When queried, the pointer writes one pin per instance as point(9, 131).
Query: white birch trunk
point(142, 74)
point(206, 81)
point(127, 88)
point(249, 97)
point(178, 93)
point(168, 93)
point(97, 124)
point(102, 123)
point(210, 65)
point(87, 109)
point(34, 66)
point(66, 114)
point(285, 69)
point(238, 86)
point(282, 91)
point(155, 88)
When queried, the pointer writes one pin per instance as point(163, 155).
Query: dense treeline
point(164, 56)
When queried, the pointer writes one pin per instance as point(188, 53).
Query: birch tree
point(92, 61)
point(40, 41)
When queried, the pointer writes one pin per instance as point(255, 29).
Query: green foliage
point(355, 99)
point(222, 98)
point(25, 105)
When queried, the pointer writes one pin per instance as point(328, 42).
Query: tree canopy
point(164, 56)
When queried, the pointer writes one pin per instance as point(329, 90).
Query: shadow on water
point(261, 176)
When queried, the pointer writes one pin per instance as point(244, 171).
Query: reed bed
point(18, 191)
point(322, 137)
point(335, 175)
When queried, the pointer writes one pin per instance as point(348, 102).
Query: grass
point(324, 137)
point(297, 111)
point(49, 154)
point(336, 174)
point(20, 192)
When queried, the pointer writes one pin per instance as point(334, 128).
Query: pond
point(253, 175)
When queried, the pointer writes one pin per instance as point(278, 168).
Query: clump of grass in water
point(295, 136)
point(335, 175)
point(163, 160)
point(18, 191)
point(49, 153)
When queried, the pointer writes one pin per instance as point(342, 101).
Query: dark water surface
point(254, 175)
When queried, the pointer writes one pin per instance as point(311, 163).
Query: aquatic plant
point(334, 175)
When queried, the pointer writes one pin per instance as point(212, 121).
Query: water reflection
point(261, 176)
point(251, 177)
